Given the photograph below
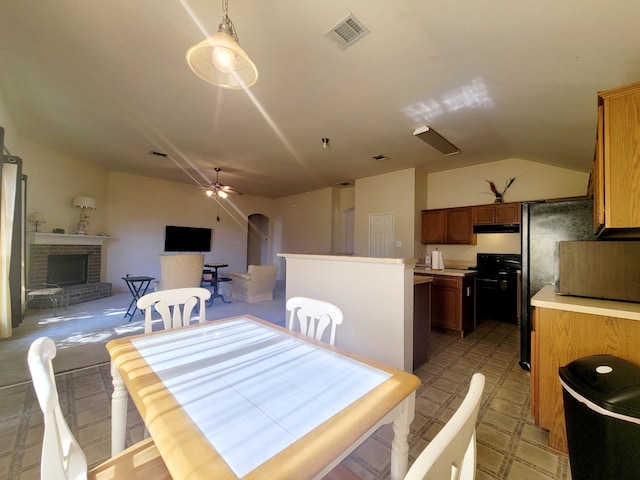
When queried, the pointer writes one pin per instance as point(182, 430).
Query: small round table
point(215, 280)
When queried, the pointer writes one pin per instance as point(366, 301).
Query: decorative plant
point(499, 195)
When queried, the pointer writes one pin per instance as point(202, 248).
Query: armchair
point(254, 286)
point(180, 271)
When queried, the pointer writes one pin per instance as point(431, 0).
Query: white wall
point(53, 179)
point(389, 193)
point(11, 139)
point(421, 203)
point(140, 207)
point(305, 224)
point(535, 181)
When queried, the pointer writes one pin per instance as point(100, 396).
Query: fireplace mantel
point(38, 238)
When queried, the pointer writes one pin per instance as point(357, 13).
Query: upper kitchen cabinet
point(433, 223)
point(497, 214)
point(616, 172)
point(448, 226)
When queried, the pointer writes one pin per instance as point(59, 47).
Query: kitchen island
point(421, 319)
point(452, 299)
point(567, 328)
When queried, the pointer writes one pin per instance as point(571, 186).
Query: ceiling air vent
point(347, 32)
point(344, 183)
point(157, 153)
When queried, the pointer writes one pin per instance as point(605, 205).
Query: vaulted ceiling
point(108, 82)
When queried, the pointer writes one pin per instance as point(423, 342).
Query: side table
point(138, 287)
point(215, 281)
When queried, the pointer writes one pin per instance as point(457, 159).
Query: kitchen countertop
point(419, 279)
point(547, 298)
point(451, 272)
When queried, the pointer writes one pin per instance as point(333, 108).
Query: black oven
point(497, 286)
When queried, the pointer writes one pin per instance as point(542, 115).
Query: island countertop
point(420, 279)
point(451, 272)
point(547, 298)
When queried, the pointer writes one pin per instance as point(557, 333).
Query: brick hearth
point(91, 290)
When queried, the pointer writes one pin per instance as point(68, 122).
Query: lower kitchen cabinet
point(453, 304)
point(421, 323)
point(568, 328)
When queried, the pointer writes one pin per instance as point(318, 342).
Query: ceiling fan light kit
point(437, 141)
point(220, 60)
point(218, 189)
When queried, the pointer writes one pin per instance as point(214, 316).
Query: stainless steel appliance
point(543, 225)
point(497, 286)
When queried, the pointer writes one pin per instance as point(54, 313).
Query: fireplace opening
point(67, 269)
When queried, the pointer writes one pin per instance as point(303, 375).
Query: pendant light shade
point(220, 60)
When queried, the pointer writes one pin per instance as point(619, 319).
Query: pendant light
point(220, 60)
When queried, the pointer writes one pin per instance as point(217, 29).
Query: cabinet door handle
point(468, 291)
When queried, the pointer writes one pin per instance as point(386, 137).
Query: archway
point(258, 240)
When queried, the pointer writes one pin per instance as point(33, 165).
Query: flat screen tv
point(187, 239)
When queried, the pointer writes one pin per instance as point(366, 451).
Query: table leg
point(400, 445)
point(141, 292)
point(216, 285)
point(132, 289)
point(136, 292)
point(119, 401)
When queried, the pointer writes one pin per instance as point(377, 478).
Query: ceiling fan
point(220, 190)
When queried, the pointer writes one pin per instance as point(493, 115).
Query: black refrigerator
point(543, 225)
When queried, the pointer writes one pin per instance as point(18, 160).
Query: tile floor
point(509, 445)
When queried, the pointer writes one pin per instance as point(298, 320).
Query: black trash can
point(601, 396)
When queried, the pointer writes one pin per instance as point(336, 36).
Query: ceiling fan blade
point(230, 190)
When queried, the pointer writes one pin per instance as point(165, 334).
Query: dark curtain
point(12, 239)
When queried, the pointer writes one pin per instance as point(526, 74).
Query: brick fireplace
point(43, 245)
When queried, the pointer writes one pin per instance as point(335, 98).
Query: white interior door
point(381, 235)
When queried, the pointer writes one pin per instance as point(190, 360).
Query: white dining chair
point(62, 458)
point(452, 453)
point(314, 316)
point(174, 306)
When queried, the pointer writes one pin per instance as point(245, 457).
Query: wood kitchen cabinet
point(497, 214)
point(433, 225)
point(616, 175)
point(564, 332)
point(453, 303)
point(448, 226)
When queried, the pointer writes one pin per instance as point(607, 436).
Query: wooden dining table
point(244, 398)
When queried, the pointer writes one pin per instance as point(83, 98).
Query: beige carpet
point(81, 331)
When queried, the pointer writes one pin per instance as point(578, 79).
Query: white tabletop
point(252, 390)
